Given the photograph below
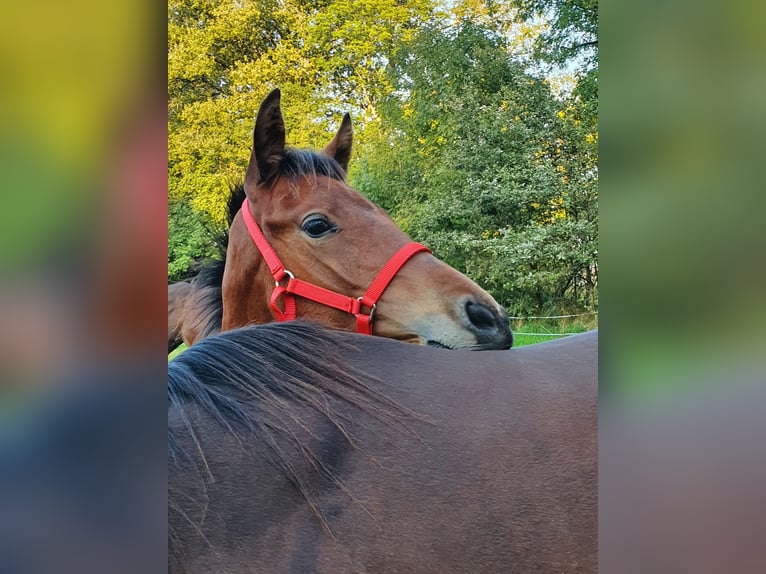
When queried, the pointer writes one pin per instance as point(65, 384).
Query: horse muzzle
point(488, 324)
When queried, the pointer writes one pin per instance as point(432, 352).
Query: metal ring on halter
point(372, 309)
point(276, 283)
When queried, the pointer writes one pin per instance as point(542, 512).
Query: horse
point(305, 244)
point(178, 295)
point(194, 307)
point(292, 448)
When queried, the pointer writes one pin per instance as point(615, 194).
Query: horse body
point(443, 462)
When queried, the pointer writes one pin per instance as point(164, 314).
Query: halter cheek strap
point(298, 288)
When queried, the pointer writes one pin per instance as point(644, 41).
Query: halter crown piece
point(298, 288)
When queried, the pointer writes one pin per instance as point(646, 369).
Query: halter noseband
point(297, 288)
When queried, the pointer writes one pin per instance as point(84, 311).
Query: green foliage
point(481, 163)
point(191, 239)
point(573, 31)
point(224, 56)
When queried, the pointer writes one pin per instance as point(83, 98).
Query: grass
point(176, 352)
point(529, 332)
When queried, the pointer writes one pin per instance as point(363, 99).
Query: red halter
point(297, 288)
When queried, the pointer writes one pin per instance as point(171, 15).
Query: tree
point(572, 33)
point(483, 164)
point(224, 56)
point(191, 239)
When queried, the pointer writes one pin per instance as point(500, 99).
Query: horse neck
point(247, 282)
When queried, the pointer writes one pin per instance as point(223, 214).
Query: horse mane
point(233, 205)
point(246, 379)
point(208, 298)
point(296, 163)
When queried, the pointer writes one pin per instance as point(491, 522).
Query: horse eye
point(318, 226)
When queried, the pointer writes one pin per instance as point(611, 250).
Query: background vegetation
point(475, 126)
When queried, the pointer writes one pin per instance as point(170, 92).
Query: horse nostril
point(480, 316)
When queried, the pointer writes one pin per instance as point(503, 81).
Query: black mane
point(233, 205)
point(257, 382)
point(296, 163)
point(230, 373)
point(208, 296)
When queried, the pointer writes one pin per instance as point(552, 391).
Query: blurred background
point(681, 247)
point(83, 159)
point(82, 169)
point(86, 143)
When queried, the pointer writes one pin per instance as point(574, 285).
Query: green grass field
point(524, 333)
point(530, 332)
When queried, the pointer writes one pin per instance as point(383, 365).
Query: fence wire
point(556, 316)
point(549, 317)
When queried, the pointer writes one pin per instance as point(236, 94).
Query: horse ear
point(340, 146)
point(268, 141)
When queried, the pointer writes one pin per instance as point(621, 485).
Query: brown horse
point(338, 259)
point(296, 449)
point(194, 307)
point(178, 295)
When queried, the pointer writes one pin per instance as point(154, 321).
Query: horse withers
point(297, 449)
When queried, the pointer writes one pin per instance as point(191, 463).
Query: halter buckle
point(284, 272)
point(372, 309)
